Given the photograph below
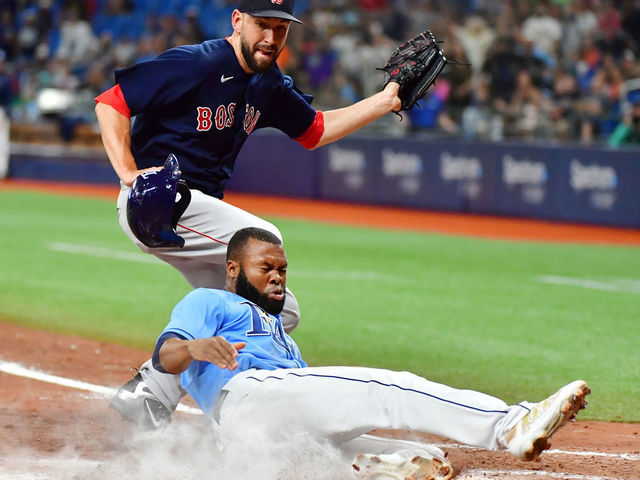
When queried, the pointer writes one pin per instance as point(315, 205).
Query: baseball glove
point(415, 65)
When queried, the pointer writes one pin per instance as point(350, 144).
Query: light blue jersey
point(207, 313)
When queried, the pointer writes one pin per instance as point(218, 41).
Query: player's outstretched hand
point(216, 350)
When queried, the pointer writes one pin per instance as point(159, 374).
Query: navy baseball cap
point(269, 8)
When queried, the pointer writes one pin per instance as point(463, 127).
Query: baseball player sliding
point(199, 103)
point(238, 363)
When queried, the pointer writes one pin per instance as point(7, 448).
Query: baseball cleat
point(397, 466)
point(135, 403)
point(531, 435)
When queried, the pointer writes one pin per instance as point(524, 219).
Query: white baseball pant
point(207, 225)
point(342, 404)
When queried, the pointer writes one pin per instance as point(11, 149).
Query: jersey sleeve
point(115, 99)
point(290, 110)
point(198, 315)
point(159, 83)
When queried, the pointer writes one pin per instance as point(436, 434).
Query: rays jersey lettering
point(263, 324)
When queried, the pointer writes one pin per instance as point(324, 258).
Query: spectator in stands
point(77, 43)
point(528, 110)
point(124, 51)
point(565, 92)
point(480, 121)
point(28, 37)
point(5, 103)
point(605, 86)
point(476, 38)
point(7, 33)
point(62, 76)
point(502, 67)
point(543, 29)
point(629, 65)
point(631, 21)
point(373, 51)
point(628, 131)
point(461, 80)
point(579, 22)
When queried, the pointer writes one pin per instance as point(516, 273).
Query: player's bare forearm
point(176, 355)
point(344, 121)
point(116, 137)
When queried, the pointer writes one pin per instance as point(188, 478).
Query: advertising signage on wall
point(592, 185)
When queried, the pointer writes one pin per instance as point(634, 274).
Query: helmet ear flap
point(152, 211)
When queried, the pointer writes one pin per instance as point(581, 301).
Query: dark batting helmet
point(152, 210)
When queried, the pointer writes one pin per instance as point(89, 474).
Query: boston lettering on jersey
point(196, 102)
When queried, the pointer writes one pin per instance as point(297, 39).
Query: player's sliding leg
point(341, 403)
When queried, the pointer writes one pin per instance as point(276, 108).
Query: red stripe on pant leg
point(204, 235)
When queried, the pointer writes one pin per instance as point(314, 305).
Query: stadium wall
point(568, 183)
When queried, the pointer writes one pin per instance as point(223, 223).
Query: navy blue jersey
point(206, 313)
point(196, 102)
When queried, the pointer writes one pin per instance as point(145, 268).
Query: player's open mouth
point(277, 295)
point(266, 53)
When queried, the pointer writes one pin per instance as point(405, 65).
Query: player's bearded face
point(261, 41)
point(256, 58)
point(246, 289)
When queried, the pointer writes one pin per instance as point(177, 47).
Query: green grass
point(470, 313)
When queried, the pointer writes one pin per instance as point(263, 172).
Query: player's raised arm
point(344, 121)
point(176, 354)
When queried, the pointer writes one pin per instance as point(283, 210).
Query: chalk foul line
point(112, 253)
point(619, 456)
point(623, 285)
point(18, 370)
point(477, 474)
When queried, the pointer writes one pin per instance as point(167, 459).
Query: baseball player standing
point(243, 369)
point(200, 103)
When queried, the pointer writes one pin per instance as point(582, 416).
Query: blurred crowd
point(559, 70)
